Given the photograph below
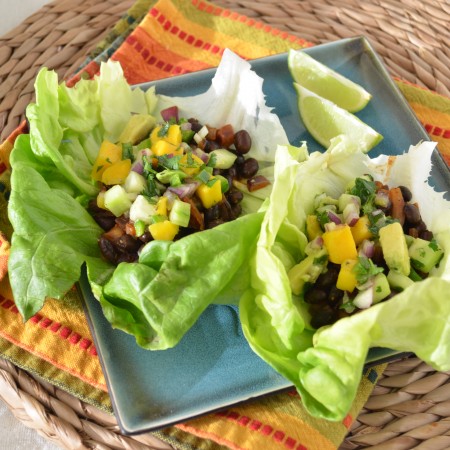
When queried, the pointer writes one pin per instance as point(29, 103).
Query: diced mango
point(190, 164)
point(161, 206)
point(347, 279)
point(173, 135)
point(163, 231)
point(313, 228)
point(108, 154)
point(162, 147)
point(117, 172)
point(360, 230)
point(340, 244)
point(210, 194)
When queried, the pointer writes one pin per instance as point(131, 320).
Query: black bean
point(237, 210)
point(232, 171)
point(127, 244)
point(242, 141)
point(421, 226)
point(212, 213)
point(234, 196)
point(315, 295)
point(249, 168)
point(105, 219)
point(108, 250)
point(328, 278)
point(146, 237)
point(209, 146)
point(325, 316)
point(214, 223)
point(412, 214)
point(225, 211)
point(195, 125)
point(335, 295)
point(426, 235)
point(406, 193)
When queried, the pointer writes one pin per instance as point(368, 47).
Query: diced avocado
point(224, 158)
point(116, 200)
point(307, 271)
point(137, 128)
point(381, 288)
point(395, 250)
point(425, 254)
point(398, 281)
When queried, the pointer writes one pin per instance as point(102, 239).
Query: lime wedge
point(325, 120)
point(325, 82)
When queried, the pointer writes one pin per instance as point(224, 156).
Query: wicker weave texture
point(58, 36)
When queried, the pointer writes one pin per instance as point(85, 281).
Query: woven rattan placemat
point(410, 406)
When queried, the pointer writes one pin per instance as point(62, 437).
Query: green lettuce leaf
point(275, 322)
point(159, 299)
point(53, 234)
point(51, 166)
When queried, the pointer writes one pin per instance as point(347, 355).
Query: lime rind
point(325, 120)
point(327, 83)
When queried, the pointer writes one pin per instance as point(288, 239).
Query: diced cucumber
point(142, 209)
point(424, 254)
point(398, 281)
point(224, 158)
point(180, 213)
point(116, 200)
point(381, 288)
point(348, 199)
point(135, 183)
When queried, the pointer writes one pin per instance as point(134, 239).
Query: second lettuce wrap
point(326, 365)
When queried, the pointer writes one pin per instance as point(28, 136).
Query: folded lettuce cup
point(325, 363)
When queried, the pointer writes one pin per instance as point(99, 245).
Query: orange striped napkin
point(176, 37)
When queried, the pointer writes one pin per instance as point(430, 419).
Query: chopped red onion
point(367, 248)
point(138, 167)
point(184, 190)
point(364, 299)
point(334, 217)
point(382, 198)
point(201, 154)
point(351, 213)
point(170, 113)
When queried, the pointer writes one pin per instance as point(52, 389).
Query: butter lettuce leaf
point(326, 365)
point(159, 299)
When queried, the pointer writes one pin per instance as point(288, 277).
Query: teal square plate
point(213, 367)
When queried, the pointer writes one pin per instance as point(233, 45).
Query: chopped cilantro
point(434, 245)
point(365, 269)
point(169, 161)
point(364, 189)
point(127, 151)
point(320, 260)
point(164, 130)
